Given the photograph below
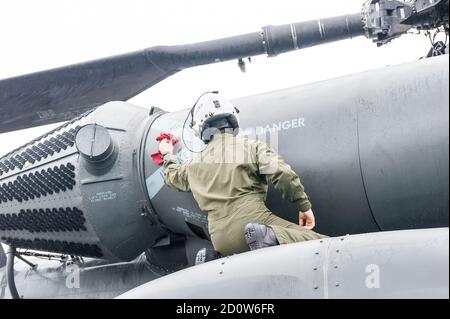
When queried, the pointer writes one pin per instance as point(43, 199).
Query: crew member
point(229, 180)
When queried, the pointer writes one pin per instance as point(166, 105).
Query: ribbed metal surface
point(44, 220)
point(40, 202)
point(39, 184)
point(58, 246)
point(39, 151)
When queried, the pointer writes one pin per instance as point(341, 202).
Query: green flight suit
point(229, 181)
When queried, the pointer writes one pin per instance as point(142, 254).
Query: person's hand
point(306, 219)
point(166, 146)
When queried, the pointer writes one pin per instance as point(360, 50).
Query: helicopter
point(87, 194)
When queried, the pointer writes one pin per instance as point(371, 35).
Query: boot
point(260, 236)
point(205, 254)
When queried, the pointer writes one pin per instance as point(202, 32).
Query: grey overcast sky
point(38, 35)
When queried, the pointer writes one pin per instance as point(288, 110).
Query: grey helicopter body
point(374, 154)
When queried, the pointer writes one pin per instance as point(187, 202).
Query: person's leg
point(228, 237)
point(231, 236)
point(287, 232)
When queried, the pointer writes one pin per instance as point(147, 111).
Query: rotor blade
point(61, 94)
point(64, 93)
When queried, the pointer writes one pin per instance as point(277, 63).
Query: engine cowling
point(78, 189)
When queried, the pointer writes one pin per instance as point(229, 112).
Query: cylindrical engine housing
point(372, 150)
point(79, 189)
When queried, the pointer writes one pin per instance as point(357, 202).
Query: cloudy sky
point(38, 35)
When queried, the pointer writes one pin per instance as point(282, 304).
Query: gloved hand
point(306, 219)
point(166, 146)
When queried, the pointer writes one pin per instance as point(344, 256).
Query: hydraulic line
point(11, 253)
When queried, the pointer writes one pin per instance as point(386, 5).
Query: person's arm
point(281, 175)
point(175, 174)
